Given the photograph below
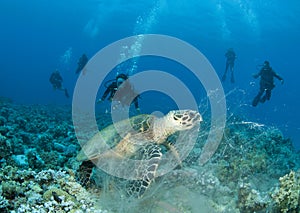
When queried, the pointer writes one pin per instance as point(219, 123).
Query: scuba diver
point(267, 75)
point(56, 81)
point(230, 58)
point(82, 61)
point(124, 94)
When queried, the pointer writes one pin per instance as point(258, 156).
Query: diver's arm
point(59, 78)
point(277, 76)
point(256, 75)
point(105, 94)
point(109, 89)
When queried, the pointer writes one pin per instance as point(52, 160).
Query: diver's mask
point(266, 64)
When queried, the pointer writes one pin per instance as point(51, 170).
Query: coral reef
point(287, 197)
point(45, 191)
point(38, 149)
point(250, 200)
point(248, 150)
point(32, 131)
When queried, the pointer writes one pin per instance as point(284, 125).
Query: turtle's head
point(176, 120)
point(184, 119)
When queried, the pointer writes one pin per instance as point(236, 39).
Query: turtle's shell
point(109, 137)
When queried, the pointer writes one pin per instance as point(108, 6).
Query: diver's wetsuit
point(56, 81)
point(81, 63)
point(230, 55)
point(112, 89)
point(267, 75)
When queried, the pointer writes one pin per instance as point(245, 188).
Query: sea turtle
point(142, 137)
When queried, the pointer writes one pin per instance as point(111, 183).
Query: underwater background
point(40, 36)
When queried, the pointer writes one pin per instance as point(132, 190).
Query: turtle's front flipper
point(174, 152)
point(151, 156)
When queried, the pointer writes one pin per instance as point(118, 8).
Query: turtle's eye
point(178, 116)
point(175, 118)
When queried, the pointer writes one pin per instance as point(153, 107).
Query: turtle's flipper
point(174, 152)
point(84, 173)
point(146, 172)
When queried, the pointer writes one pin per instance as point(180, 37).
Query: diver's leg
point(225, 73)
point(268, 94)
point(64, 90)
point(257, 97)
point(66, 93)
point(263, 99)
point(136, 103)
point(232, 76)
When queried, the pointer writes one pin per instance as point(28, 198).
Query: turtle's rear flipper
point(151, 156)
point(84, 174)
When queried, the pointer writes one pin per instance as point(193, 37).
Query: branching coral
point(287, 197)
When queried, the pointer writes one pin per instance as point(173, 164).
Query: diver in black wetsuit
point(230, 58)
point(267, 75)
point(125, 91)
point(56, 81)
point(82, 61)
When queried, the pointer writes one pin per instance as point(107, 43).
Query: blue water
point(39, 36)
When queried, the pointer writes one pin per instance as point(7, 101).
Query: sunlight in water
point(249, 14)
point(226, 33)
point(144, 25)
point(66, 57)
